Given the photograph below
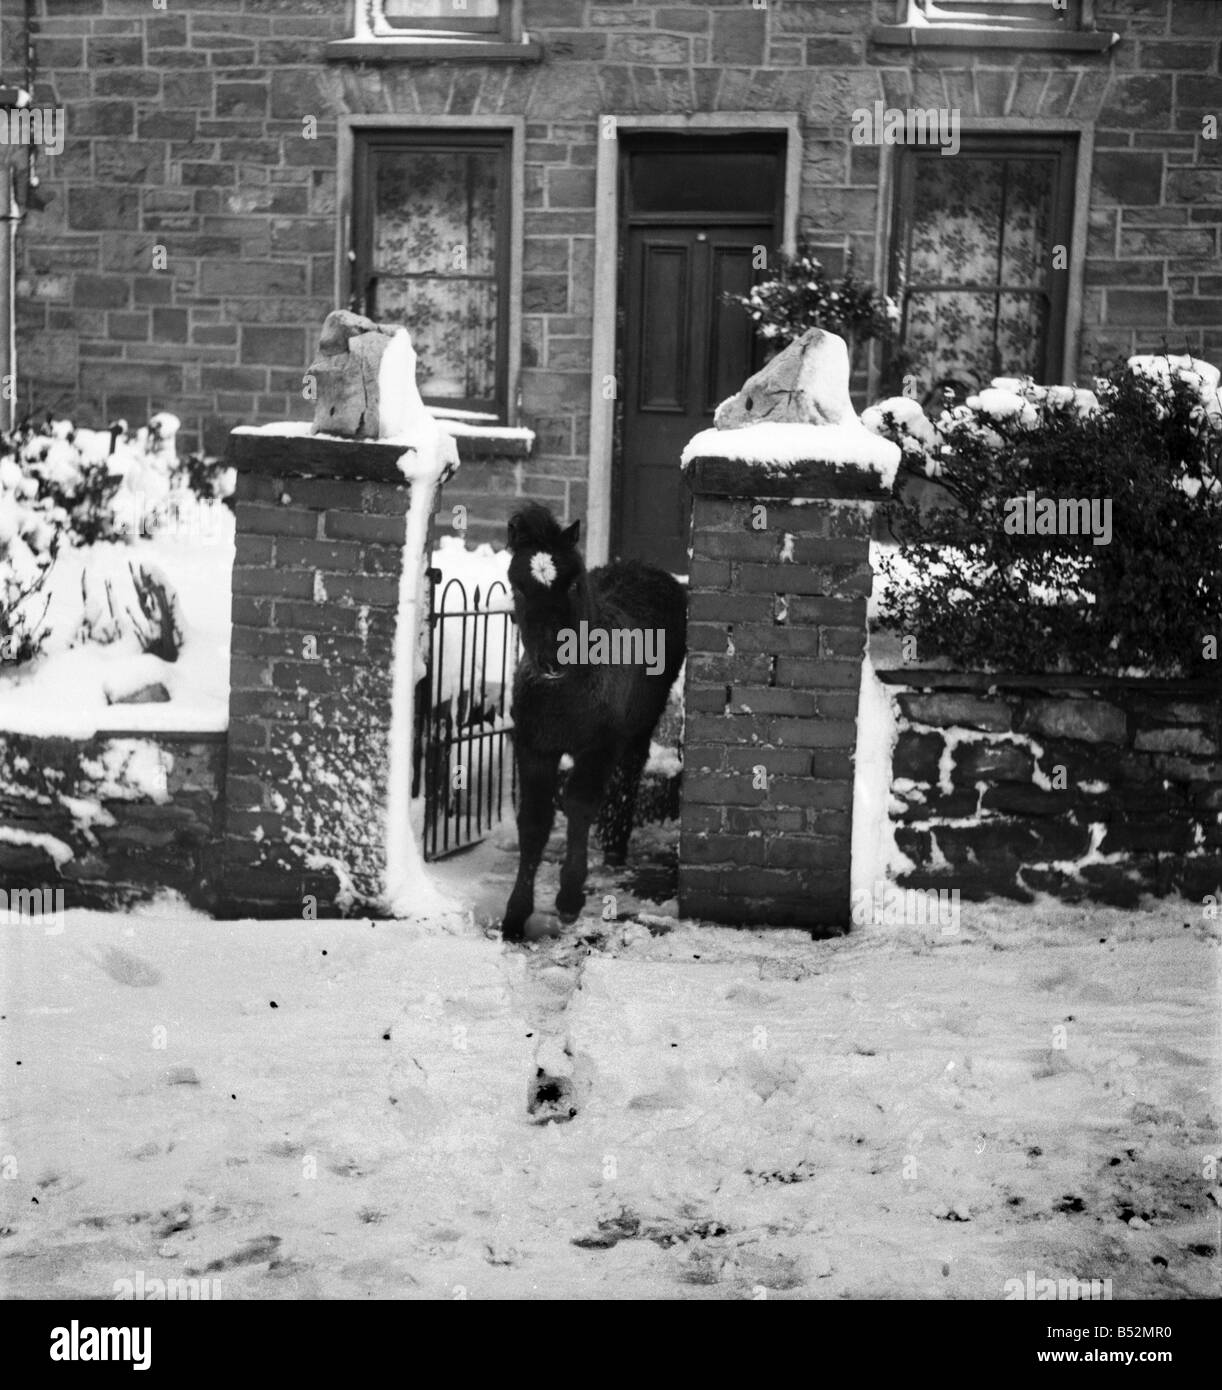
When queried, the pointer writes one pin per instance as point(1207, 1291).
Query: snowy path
point(889, 1114)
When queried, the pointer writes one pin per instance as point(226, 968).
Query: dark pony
point(601, 715)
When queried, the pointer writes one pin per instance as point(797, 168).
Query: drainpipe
point(8, 301)
point(12, 97)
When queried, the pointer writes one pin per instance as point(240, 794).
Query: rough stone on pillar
point(807, 383)
point(346, 375)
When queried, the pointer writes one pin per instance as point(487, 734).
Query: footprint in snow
point(125, 968)
point(260, 1250)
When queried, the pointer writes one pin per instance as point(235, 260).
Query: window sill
point(424, 50)
point(963, 36)
point(488, 441)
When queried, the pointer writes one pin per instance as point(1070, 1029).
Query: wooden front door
point(697, 218)
point(686, 350)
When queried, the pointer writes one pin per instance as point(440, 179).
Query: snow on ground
point(196, 558)
point(339, 1109)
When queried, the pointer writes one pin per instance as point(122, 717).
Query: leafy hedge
point(969, 586)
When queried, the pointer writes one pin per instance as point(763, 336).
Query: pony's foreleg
point(536, 811)
point(582, 795)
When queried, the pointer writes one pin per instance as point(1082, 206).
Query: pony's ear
point(571, 534)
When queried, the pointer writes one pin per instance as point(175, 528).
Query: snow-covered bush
point(1003, 574)
point(61, 487)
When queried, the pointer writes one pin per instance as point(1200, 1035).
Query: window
point(431, 251)
point(1033, 14)
point(456, 16)
point(453, 31)
point(436, 19)
point(973, 265)
point(1035, 25)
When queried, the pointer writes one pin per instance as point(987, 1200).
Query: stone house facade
point(557, 194)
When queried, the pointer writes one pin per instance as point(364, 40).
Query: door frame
point(606, 254)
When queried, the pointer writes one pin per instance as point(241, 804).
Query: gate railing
point(464, 752)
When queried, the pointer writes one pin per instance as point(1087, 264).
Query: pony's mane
point(533, 527)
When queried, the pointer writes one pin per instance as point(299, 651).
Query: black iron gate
point(464, 753)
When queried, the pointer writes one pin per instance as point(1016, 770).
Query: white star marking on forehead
point(543, 567)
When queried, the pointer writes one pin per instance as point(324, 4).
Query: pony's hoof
point(513, 931)
point(569, 905)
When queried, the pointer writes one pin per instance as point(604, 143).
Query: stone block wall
point(776, 630)
point(185, 131)
point(494, 479)
point(113, 819)
point(1099, 789)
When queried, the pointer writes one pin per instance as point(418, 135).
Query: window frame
point(1063, 289)
point(993, 14)
point(372, 26)
point(368, 141)
point(914, 27)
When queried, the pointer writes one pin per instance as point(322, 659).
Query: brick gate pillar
point(780, 578)
point(328, 607)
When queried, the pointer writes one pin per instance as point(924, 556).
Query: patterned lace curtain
point(975, 272)
point(434, 256)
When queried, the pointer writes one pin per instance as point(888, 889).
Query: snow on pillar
point(329, 614)
point(780, 578)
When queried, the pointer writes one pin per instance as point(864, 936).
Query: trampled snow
point(302, 1110)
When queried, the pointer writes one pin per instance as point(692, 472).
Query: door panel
point(732, 355)
point(685, 350)
point(663, 346)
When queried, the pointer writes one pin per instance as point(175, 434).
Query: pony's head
point(547, 576)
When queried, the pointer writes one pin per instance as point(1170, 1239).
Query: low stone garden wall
point(1100, 789)
point(113, 819)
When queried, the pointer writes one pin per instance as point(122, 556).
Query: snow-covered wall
point(333, 538)
point(1101, 789)
point(111, 820)
point(780, 578)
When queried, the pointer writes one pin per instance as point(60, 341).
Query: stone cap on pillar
point(791, 431)
point(711, 475)
point(293, 451)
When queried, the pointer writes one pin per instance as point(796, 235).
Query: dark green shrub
point(800, 294)
point(970, 588)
